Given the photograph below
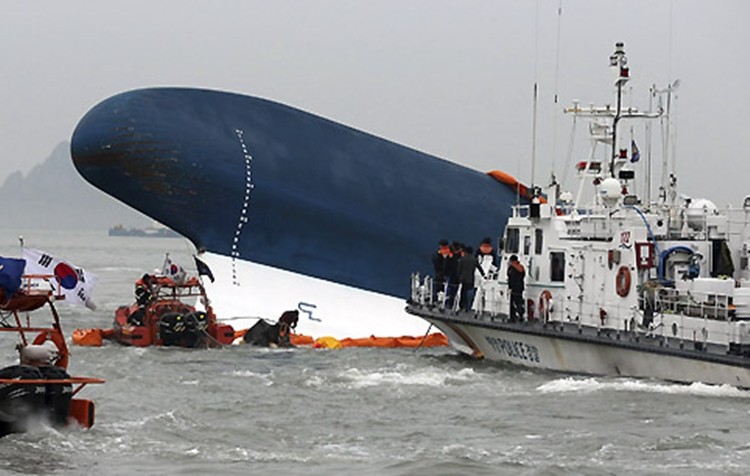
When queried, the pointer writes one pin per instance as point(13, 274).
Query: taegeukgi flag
point(70, 280)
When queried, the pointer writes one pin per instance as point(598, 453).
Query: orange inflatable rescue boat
point(164, 313)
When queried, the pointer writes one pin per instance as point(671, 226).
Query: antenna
point(533, 140)
point(620, 61)
point(649, 136)
point(536, 90)
point(555, 117)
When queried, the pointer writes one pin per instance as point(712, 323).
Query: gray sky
point(451, 78)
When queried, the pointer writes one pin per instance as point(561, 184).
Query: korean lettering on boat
point(514, 349)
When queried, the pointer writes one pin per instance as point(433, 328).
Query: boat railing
point(421, 291)
point(714, 306)
point(694, 320)
point(666, 321)
point(167, 288)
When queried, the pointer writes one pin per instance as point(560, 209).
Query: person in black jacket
point(451, 272)
point(467, 267)
point(439, 261)
point(516, 276)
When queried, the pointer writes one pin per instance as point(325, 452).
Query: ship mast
point(604, 117)
point(618, 60)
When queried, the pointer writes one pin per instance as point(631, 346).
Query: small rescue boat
point(39, 387)
point(164, 313)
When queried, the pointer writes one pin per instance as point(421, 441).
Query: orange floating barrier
point(301, 339)
point(431, 340)
point(87, 337)
point(91, 337)
point(436, 339)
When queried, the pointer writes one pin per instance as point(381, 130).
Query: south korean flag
point(69, 280)
point(173, 270)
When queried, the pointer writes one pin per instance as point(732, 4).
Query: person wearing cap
point(516, 275)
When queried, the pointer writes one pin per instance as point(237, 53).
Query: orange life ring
point(545, 305)
point(622, 281)
point(57, 338)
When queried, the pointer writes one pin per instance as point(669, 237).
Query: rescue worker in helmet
point(143, 296)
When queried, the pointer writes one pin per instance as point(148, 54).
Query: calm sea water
point(242, 410)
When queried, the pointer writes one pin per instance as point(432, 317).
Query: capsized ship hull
point(266, 190)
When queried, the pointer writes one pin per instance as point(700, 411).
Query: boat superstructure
point(614, 284)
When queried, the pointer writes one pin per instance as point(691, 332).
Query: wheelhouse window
point(538, 241)
point(526, 244)
point(512, 240)
point(557, 266)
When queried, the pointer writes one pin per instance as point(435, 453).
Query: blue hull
point(256, 180)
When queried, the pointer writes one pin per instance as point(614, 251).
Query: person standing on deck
point(439, 260)
point(467, 266)
point(516, 276)
point(486, 259)
point(451, 272)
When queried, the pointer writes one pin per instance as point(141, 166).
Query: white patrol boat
point(623, 285)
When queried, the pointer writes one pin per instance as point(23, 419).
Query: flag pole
point(164, 270)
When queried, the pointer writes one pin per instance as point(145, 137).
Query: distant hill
point(53, 195)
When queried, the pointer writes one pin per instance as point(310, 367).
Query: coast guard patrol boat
point(623, 285)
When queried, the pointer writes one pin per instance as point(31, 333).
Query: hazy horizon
point(453, 79)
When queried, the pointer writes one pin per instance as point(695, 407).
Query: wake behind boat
point(622, 286)
point(289, 210)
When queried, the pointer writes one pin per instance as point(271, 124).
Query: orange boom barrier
point(431, 340)
point(87, 337)
point(91, 337)
point(301, 339)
